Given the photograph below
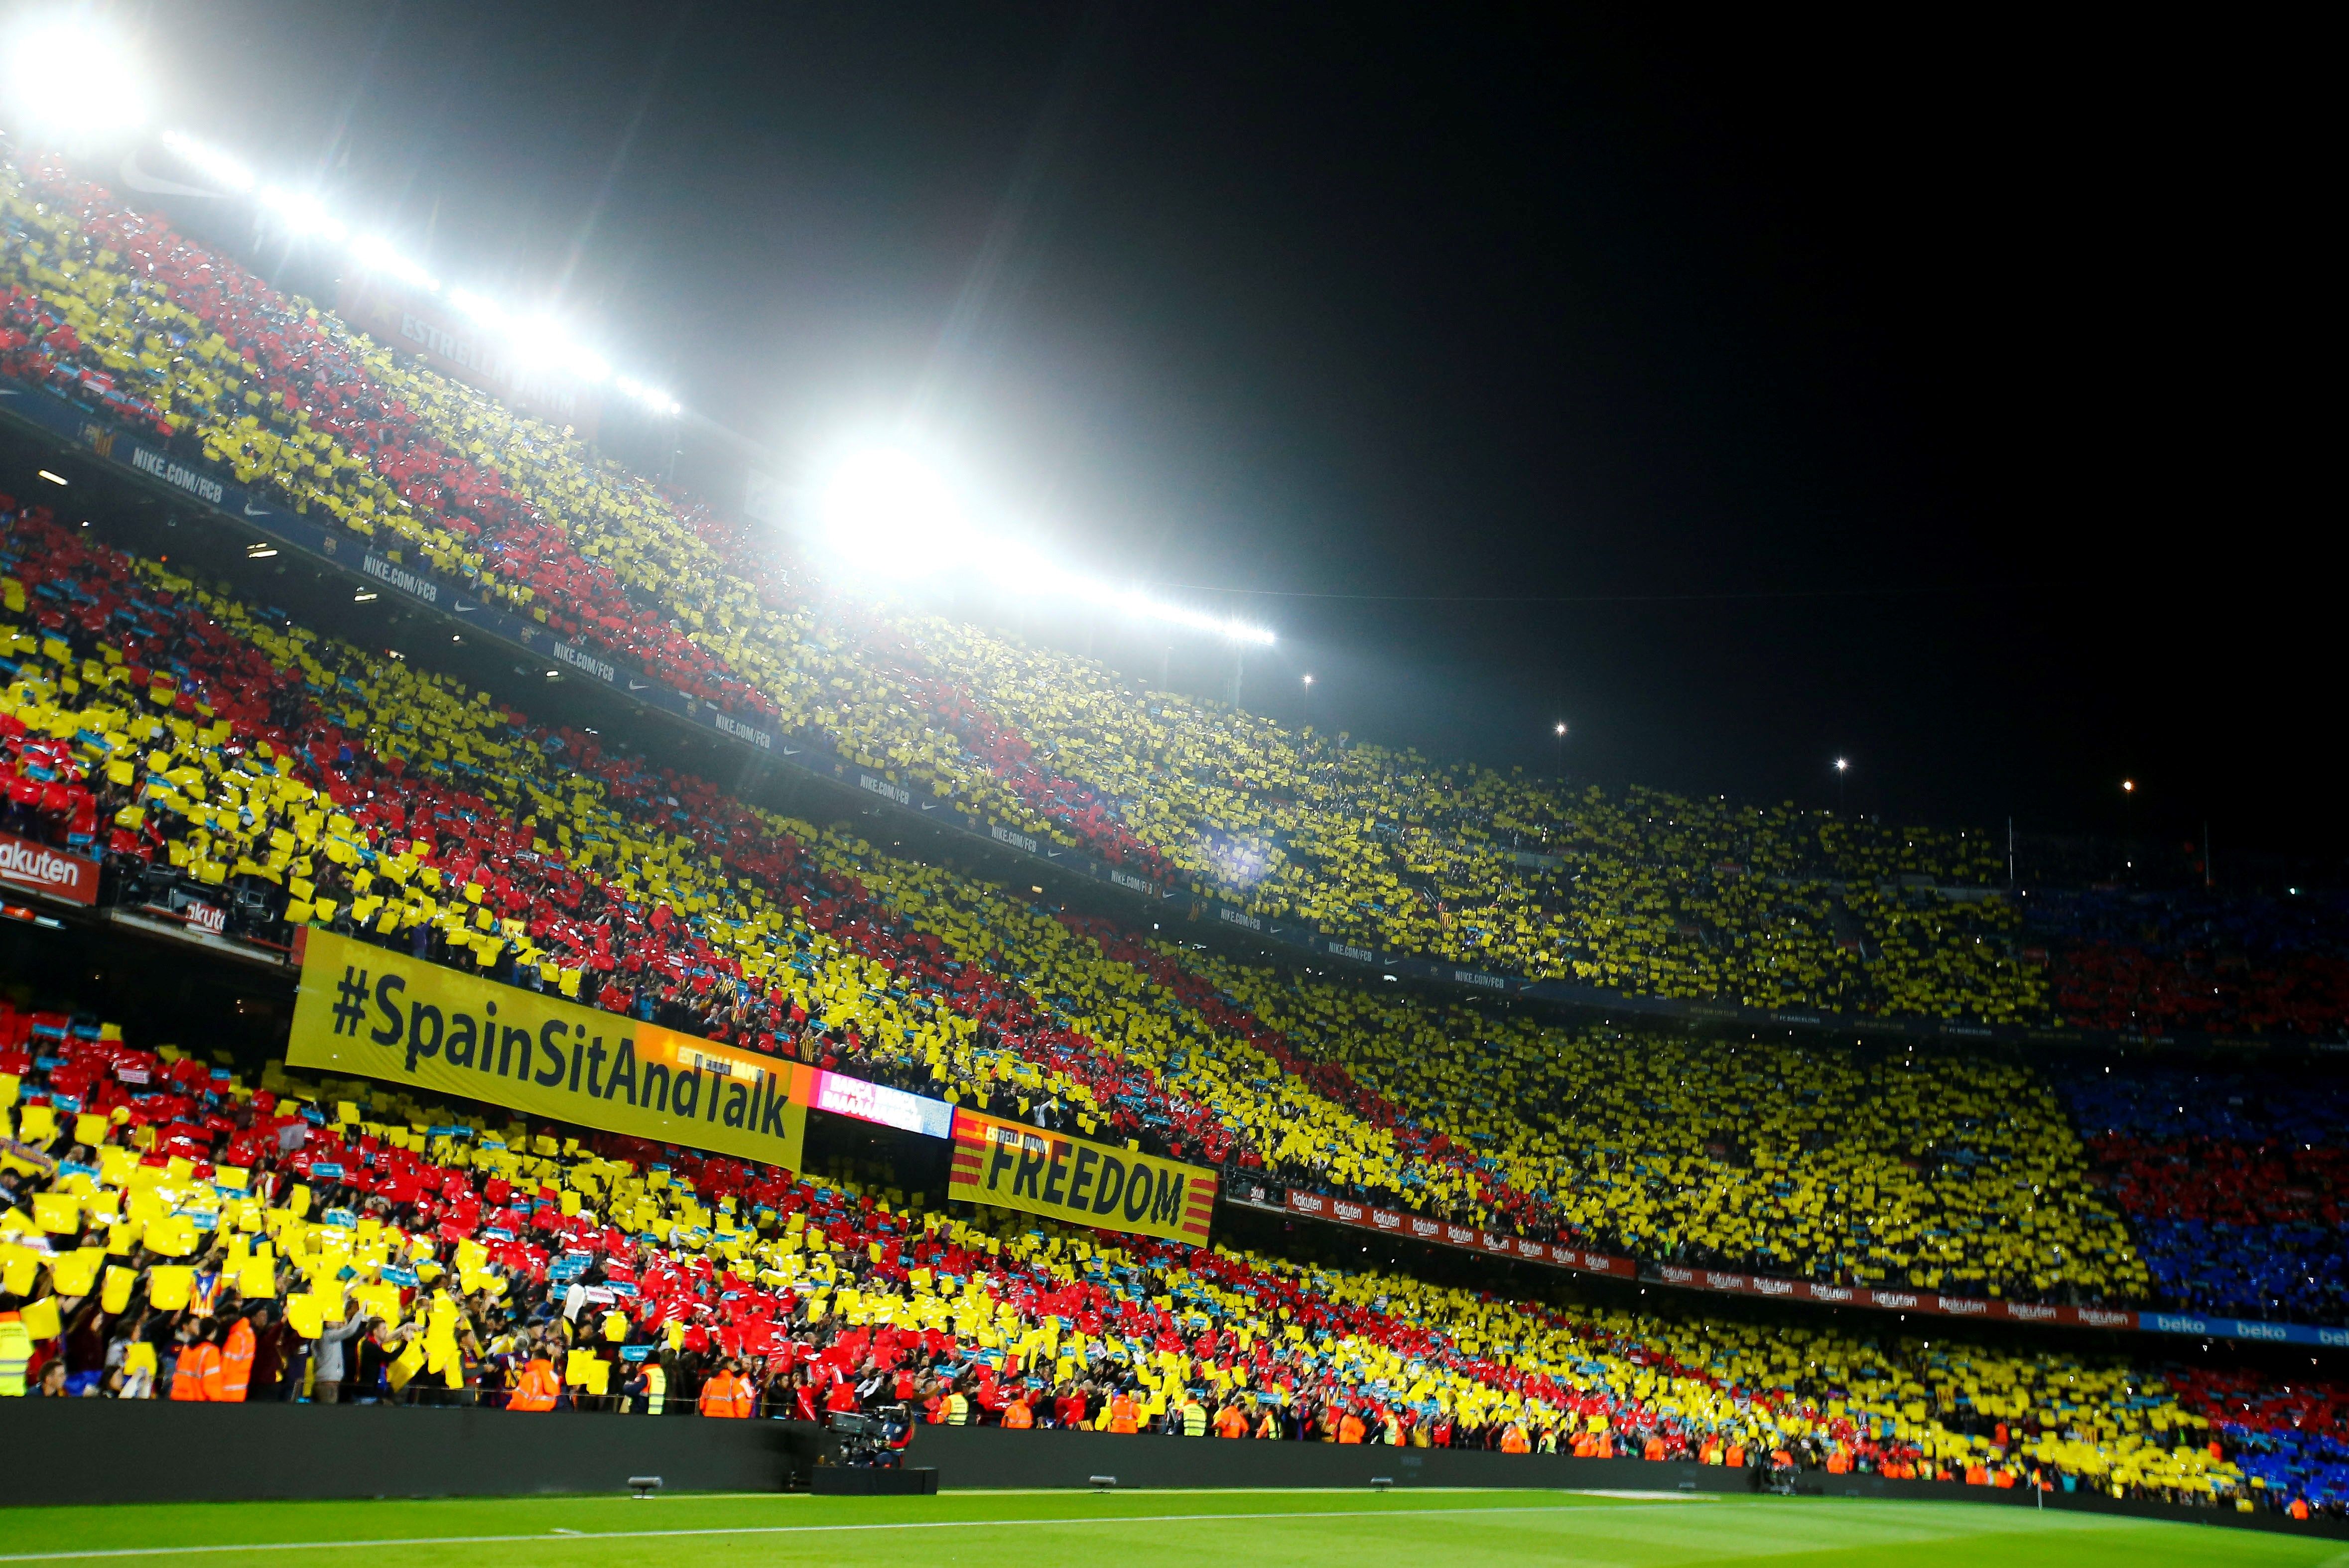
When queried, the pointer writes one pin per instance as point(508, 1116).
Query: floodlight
point(483, 311)
point(652, 398)
point(887, 507)
point(211, 162)
point(375, 252)
point(541, 340)
point(73, 74)
point(885, 510)
point(304, 215)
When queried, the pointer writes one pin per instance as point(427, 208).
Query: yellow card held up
point(115, 1294)
point(76, 1272)
point(169, 1287)
point(40, 1319)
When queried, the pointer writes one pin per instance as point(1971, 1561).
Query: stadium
point(623, 990)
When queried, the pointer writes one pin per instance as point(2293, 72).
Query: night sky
point(1746, 393)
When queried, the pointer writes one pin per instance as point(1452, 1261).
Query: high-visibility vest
point(537, 1389)
point(1231, 1423)
point(237, 1364)
point(1270, 1427)
point(957, 1409)
point(656, 1388)
point(16, 1354)
point(1194, 1419)
point(1513, 1439)
point(1654, 1448)
point(727, 1395)
point(1122, 1415)
point(197, 1373)
point(1349, 1427)
point(1016, 1415)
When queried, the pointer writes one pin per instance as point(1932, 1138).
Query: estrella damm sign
point(377, 1014)
point(1014, 1166)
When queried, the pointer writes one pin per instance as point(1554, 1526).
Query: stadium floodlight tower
point(886, 513)
point(70, 81)
point(890, 518)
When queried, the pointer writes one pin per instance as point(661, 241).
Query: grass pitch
point(1036, 1529)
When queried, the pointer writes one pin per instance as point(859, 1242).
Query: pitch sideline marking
point(109, 1551)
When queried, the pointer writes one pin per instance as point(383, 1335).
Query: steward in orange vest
point(1017, 1416)
point(728, 1394)
point(197, 1372)
point(538, 1389)
point(1123, 1416)
point(235, 1364)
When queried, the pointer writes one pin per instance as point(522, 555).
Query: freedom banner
point(383, 1015)
point(1074, 1179)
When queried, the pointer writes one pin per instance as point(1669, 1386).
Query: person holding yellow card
point(170, 1286)
point(114, 1295)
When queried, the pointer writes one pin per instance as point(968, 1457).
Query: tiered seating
point(2155, 962)
point(381, 802)
point(335, 788)
point(2236, 1185)
point(284, 776)
point(1647, 892)
point(155, 1198)
point(1944, 1171)
point(2291, 1441)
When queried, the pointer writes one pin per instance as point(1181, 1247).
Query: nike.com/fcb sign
point(1077, 1181)
point(25, 864)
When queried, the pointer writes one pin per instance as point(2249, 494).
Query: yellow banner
point(379, 1014)
point(1015, 1166)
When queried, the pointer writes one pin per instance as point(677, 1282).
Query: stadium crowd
point(1647, 892)
point(220, 761)
point(1941, 1170)
point(2235, 1183)
point(175, 1231)
point(2191, 959)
